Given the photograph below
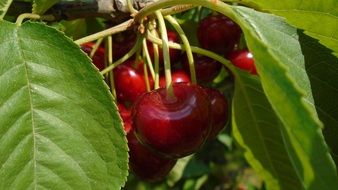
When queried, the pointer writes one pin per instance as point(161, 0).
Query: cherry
point(174, 53)
point(146, 164)
point(126, 117)
point(129, 83)
point(122, 43)
point(243, 59)
point(219, 111)
point(176, 76)
point(98, 58)
point(218, 33)
point(206, 68)
point(173, 126)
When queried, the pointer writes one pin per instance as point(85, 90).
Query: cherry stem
point(110, 31)
point(166, 56)
point(95, 47)
point(24, 16)
point(195, 49)
point(156, 60)
point(146, 78)
point(186, 44)
point(147, 57)
point(131, 8)
point(110, 62)
point(125, 57)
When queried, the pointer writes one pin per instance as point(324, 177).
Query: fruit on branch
point(218, 33)
point(206, 68)
point(129, 82)
point(99, 56)
point(147, 164)
point(126, 117)
point(122, 43)
point(176, 77)
point(173, 126)
point(243, 59)
point(219, 111)
point(174, 53)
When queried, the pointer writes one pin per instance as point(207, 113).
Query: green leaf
point(322, 68)
point(59, 127)
point(4, 5)
point(318, 18)
point(41, 6)
point(258, 130)
point(281, 68)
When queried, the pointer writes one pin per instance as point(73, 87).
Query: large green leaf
point(319, 18)
point(4, 5)
point(257, 129)
point(41, 6)
point(281, 68)
point(59, 127)
point(322, 68)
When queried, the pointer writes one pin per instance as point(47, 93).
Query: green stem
point(95, 47)
point(131, 8)
point(186, 44)
point(110, 62)
point(24, 16)
point(166, 56)
point(195, 49)
point(125, 57)
point(148, 59)
point(116, 29)
point(156, 58)
point(146, 77)
point(218, 6)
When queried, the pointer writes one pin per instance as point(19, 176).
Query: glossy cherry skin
point(174, 127)
point(146, 164)
point(218, 33)
point(129, 84)
point(98, 58)
point(173, 53)
point(206, 68)
point(219, 111)
point(243, 59)
point(176, 77)
point(126, 117)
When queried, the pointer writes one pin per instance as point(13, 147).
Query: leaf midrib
point(22, 57)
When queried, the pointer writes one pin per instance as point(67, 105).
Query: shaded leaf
point(258, 130)
point(281, 68)
point(59, 128)
point(322, 68)
point(4, 5)
point(41, 6)
point(319, 19)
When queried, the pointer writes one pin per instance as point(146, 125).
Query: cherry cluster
point(162, 125)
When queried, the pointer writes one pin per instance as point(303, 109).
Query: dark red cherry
point(219, 111)
point(243, 59)
point(174, 53)
point(126, 117)
point(146, 164)
point(174, 127)
point(206, 68)
point(176, 77)
point(129, 84)
point(98, 58)
point(123, 43)
point(218, 33)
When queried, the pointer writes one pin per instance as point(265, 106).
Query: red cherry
point(175, 127)
point(126, 117)
point(146, 164)
point(123, 43)
point(243, 59)
point(219, 111)
point(206, 68)
point(129, 84)
point(176, 77)
point(98, 58)
point(174, 53)
point(218, 33)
